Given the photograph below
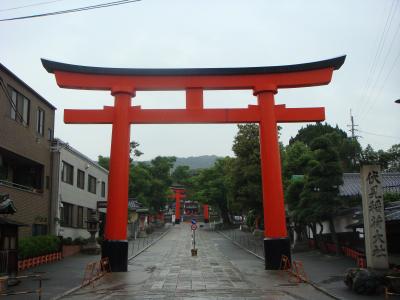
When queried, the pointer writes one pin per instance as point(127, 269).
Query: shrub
point(67, 241)
point(38, 245)
point(80, 241)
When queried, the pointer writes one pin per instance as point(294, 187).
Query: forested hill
point(196, 162)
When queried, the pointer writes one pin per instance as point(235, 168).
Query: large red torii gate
point(263, 81)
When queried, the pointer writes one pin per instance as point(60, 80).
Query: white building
point(78, 184)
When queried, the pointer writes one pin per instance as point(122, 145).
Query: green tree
point(246, 177)
point(388, 160)
point(104, 162)
point(348, 149)
point(394, 162)
point(140, 180)
point(181, 175)
point(296, 210)
point(297, 156)
point(213, 186)
point(160, 169)
point(322, 181)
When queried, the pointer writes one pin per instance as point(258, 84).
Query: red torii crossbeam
point(263, 81)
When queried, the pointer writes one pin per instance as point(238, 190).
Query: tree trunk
point(321, 226)
point(334, 235)
point(313, 227)
point(225, 217)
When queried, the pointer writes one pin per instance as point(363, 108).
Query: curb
point(74, 289)
point(313, 284)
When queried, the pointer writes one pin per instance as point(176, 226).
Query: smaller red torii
point(179, 194)
point(206, 213)
point(263, 81)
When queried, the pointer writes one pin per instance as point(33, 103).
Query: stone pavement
point(66, 274)
point(327, 272)
point(221, 270)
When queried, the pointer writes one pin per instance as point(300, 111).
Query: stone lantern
point(92, 226)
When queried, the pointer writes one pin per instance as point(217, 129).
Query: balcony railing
point(19, 186)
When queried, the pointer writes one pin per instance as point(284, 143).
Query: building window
point(66, 214)
point(79, 221)
point(92, 184)
point(103, 189)
point(40, 121)
point(80, 181)
point(67, 173)
point(20, 107)
point(39, 229)
point(49, 134)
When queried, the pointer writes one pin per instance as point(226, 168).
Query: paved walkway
point(66, 274)
point(324, 270)
point(221, 270)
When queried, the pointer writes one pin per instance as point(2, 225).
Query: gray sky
point(210, 33)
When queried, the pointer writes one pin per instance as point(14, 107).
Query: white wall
point(340, 225)
point(76, 196)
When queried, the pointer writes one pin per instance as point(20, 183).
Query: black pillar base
point(117, 253)
point(273, 250)
point(206, 221)
point(177, 221)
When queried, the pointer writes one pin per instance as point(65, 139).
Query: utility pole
point(353, 137)
point(352, 127)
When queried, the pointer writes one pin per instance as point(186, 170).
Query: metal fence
point(246, 240)
point(140, 243)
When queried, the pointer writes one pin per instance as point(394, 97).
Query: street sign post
point(194, 228)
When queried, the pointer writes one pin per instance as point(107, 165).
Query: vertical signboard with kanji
point(374, 218)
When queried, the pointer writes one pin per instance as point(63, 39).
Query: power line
point(381, 135)
point(19, 117)
point(108, 4)
point(374, 88)
point(29, 5)
point(381, 45)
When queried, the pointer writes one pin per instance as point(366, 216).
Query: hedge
point(38, 245)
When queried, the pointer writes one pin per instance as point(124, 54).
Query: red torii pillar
point(179, 194)
point(205, 213)
point(264, 81)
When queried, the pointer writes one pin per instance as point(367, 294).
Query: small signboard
point(101, 204)
point(194, 221)
point(194, 226)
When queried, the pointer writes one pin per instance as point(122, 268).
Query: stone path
point(220, 271)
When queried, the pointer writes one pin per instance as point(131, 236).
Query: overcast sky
point(211, 33)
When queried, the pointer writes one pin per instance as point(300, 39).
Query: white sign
point(374, 218)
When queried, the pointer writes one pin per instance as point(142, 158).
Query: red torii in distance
point(179, 194)
point(263, 81)
point(206, 213)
